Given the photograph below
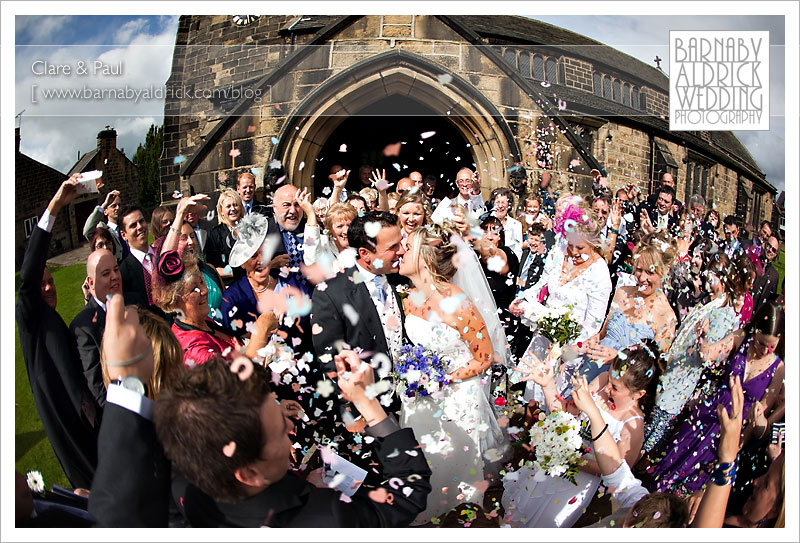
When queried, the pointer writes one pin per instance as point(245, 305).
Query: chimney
point(107, 140)
point(16, 134)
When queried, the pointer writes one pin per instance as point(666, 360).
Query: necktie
point(379, 289)
point(296, 260)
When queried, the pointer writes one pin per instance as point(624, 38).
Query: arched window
point(617, 91)
point(606, 87)
point(635, 98)
point(642, 100)
point(597, 81)
point(626, 95)
point(538, 68)
point(511, 57)
point(525, 64)
point(552, 70)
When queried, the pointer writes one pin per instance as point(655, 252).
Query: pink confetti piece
point(235, 152)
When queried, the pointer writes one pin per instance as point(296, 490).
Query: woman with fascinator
point(456, 425)
point(575, 274)
point(179, 288)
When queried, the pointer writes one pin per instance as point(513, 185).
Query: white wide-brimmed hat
point(250, 234)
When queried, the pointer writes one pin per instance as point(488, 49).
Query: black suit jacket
point(335, 328)
point(132, 483)
point(133, 286)
point(534, 272)
point(295, 503)
point(87, 327)
point(673, 225)
point(69, 414)
point(765, 286)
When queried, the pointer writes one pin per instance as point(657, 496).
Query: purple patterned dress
point(692, 451)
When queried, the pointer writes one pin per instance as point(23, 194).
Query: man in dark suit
point(659, 216)
point(288, 223)
point(358, 308)
point(70, 416)
point(766, 283)
point(230, 441)
point(246, 187)
point(131, 486)
point(135, 277)
point(103, 278)
point(667, 181)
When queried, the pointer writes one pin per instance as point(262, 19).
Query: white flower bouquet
point(554, 323)
point(558, 445)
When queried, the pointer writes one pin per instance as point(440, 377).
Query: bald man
point(103, 278)
point(289, 223)
point(469, 196)
point(404, 185)
point(416, 177)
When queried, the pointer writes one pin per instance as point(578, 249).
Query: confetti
point(235, 152)
point(444, 79)
point(450, 304)
point(229, 449)
point(426, 135)
point(372, 229)
point(180, 159)
point(324, 388)
point(275, 141)
point(301, 166)
point(495, 264)
point(251, 129)
point(351, 314)
point(343, 148)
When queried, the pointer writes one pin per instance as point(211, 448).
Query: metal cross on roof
point(658, 62)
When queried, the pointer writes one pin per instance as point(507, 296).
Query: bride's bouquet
point(420, 372)
point(558, 445)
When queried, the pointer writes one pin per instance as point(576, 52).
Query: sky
point(139, 48)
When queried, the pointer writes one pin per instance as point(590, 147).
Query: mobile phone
point(778, 429)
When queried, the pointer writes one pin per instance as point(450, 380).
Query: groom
point(359, 307)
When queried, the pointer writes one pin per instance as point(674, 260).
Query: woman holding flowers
point(454, 423)
point(534, 499)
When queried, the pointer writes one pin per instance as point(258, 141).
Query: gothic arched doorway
point(391, 80)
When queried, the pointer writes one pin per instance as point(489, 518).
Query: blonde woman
point(455, 426)
point(410, 210)
point(324, 248)
point(221, 238)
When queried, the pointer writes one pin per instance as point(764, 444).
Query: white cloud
point(41, 29)
point(123, 35)
point(53, 131)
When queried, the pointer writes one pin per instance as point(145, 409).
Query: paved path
point(76, 256)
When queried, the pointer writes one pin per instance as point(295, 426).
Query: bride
point(456, 426)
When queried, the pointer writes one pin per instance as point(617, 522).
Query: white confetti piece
point(301, 166)
point(495, 264)
point(324, 388)
point(426, 135)
point(451, 303)
point(444, 79)
point(372, 229)
point(343, 148)
point(351, 314)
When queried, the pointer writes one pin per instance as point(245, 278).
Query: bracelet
point(603, 431)
point(614, 230)
point(724, 473)
point(117, 363)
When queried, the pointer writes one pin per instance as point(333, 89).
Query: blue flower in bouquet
point(420, 371)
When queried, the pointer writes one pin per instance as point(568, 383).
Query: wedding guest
point(246, 187)
point(371, 196)
point(469, 196)
point(69, 412)
point(499, 263)
point(410, 211)
point(667, 180)
point(324, 248)
point(103, 239)
point(103, 280)
point(179, 287)
point(730, 228)
point(766, 283)
point(160, 220)
point(693, 449)
point(547, 196)
point(108, 210)
point(134, 269)
point(502, 202)
point(230, 440)
point(358, 202)
point(220, 239)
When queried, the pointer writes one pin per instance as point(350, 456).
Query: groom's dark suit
point(332, 328)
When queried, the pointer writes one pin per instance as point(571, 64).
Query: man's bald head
point(416, 177)
point(288, 213)
point(404, 184)
point(102, 274)
point(668, 180)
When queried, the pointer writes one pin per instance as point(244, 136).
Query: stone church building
point(294, 95)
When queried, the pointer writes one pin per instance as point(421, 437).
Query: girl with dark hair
point(623, 395)
point(101, 239)
point(693, 449)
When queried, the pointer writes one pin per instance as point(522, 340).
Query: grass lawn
point(32, 449)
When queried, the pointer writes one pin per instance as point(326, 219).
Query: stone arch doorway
point(432, 145)
point(392, 76)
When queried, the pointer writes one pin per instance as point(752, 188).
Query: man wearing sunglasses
point(766, 284)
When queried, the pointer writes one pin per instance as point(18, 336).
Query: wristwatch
point(134, 384)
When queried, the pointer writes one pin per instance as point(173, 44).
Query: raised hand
point(537, 371)
point(303, 199)
point(379, 181)
point(353, 376)
point(67, 192)
point(110, 198)
point(128, 350)
point(191, 204)
point(645, 222)
point(730, 425)
point(581, 395)
point(616, 214)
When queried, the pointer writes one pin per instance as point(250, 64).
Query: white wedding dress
point(456, 426)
